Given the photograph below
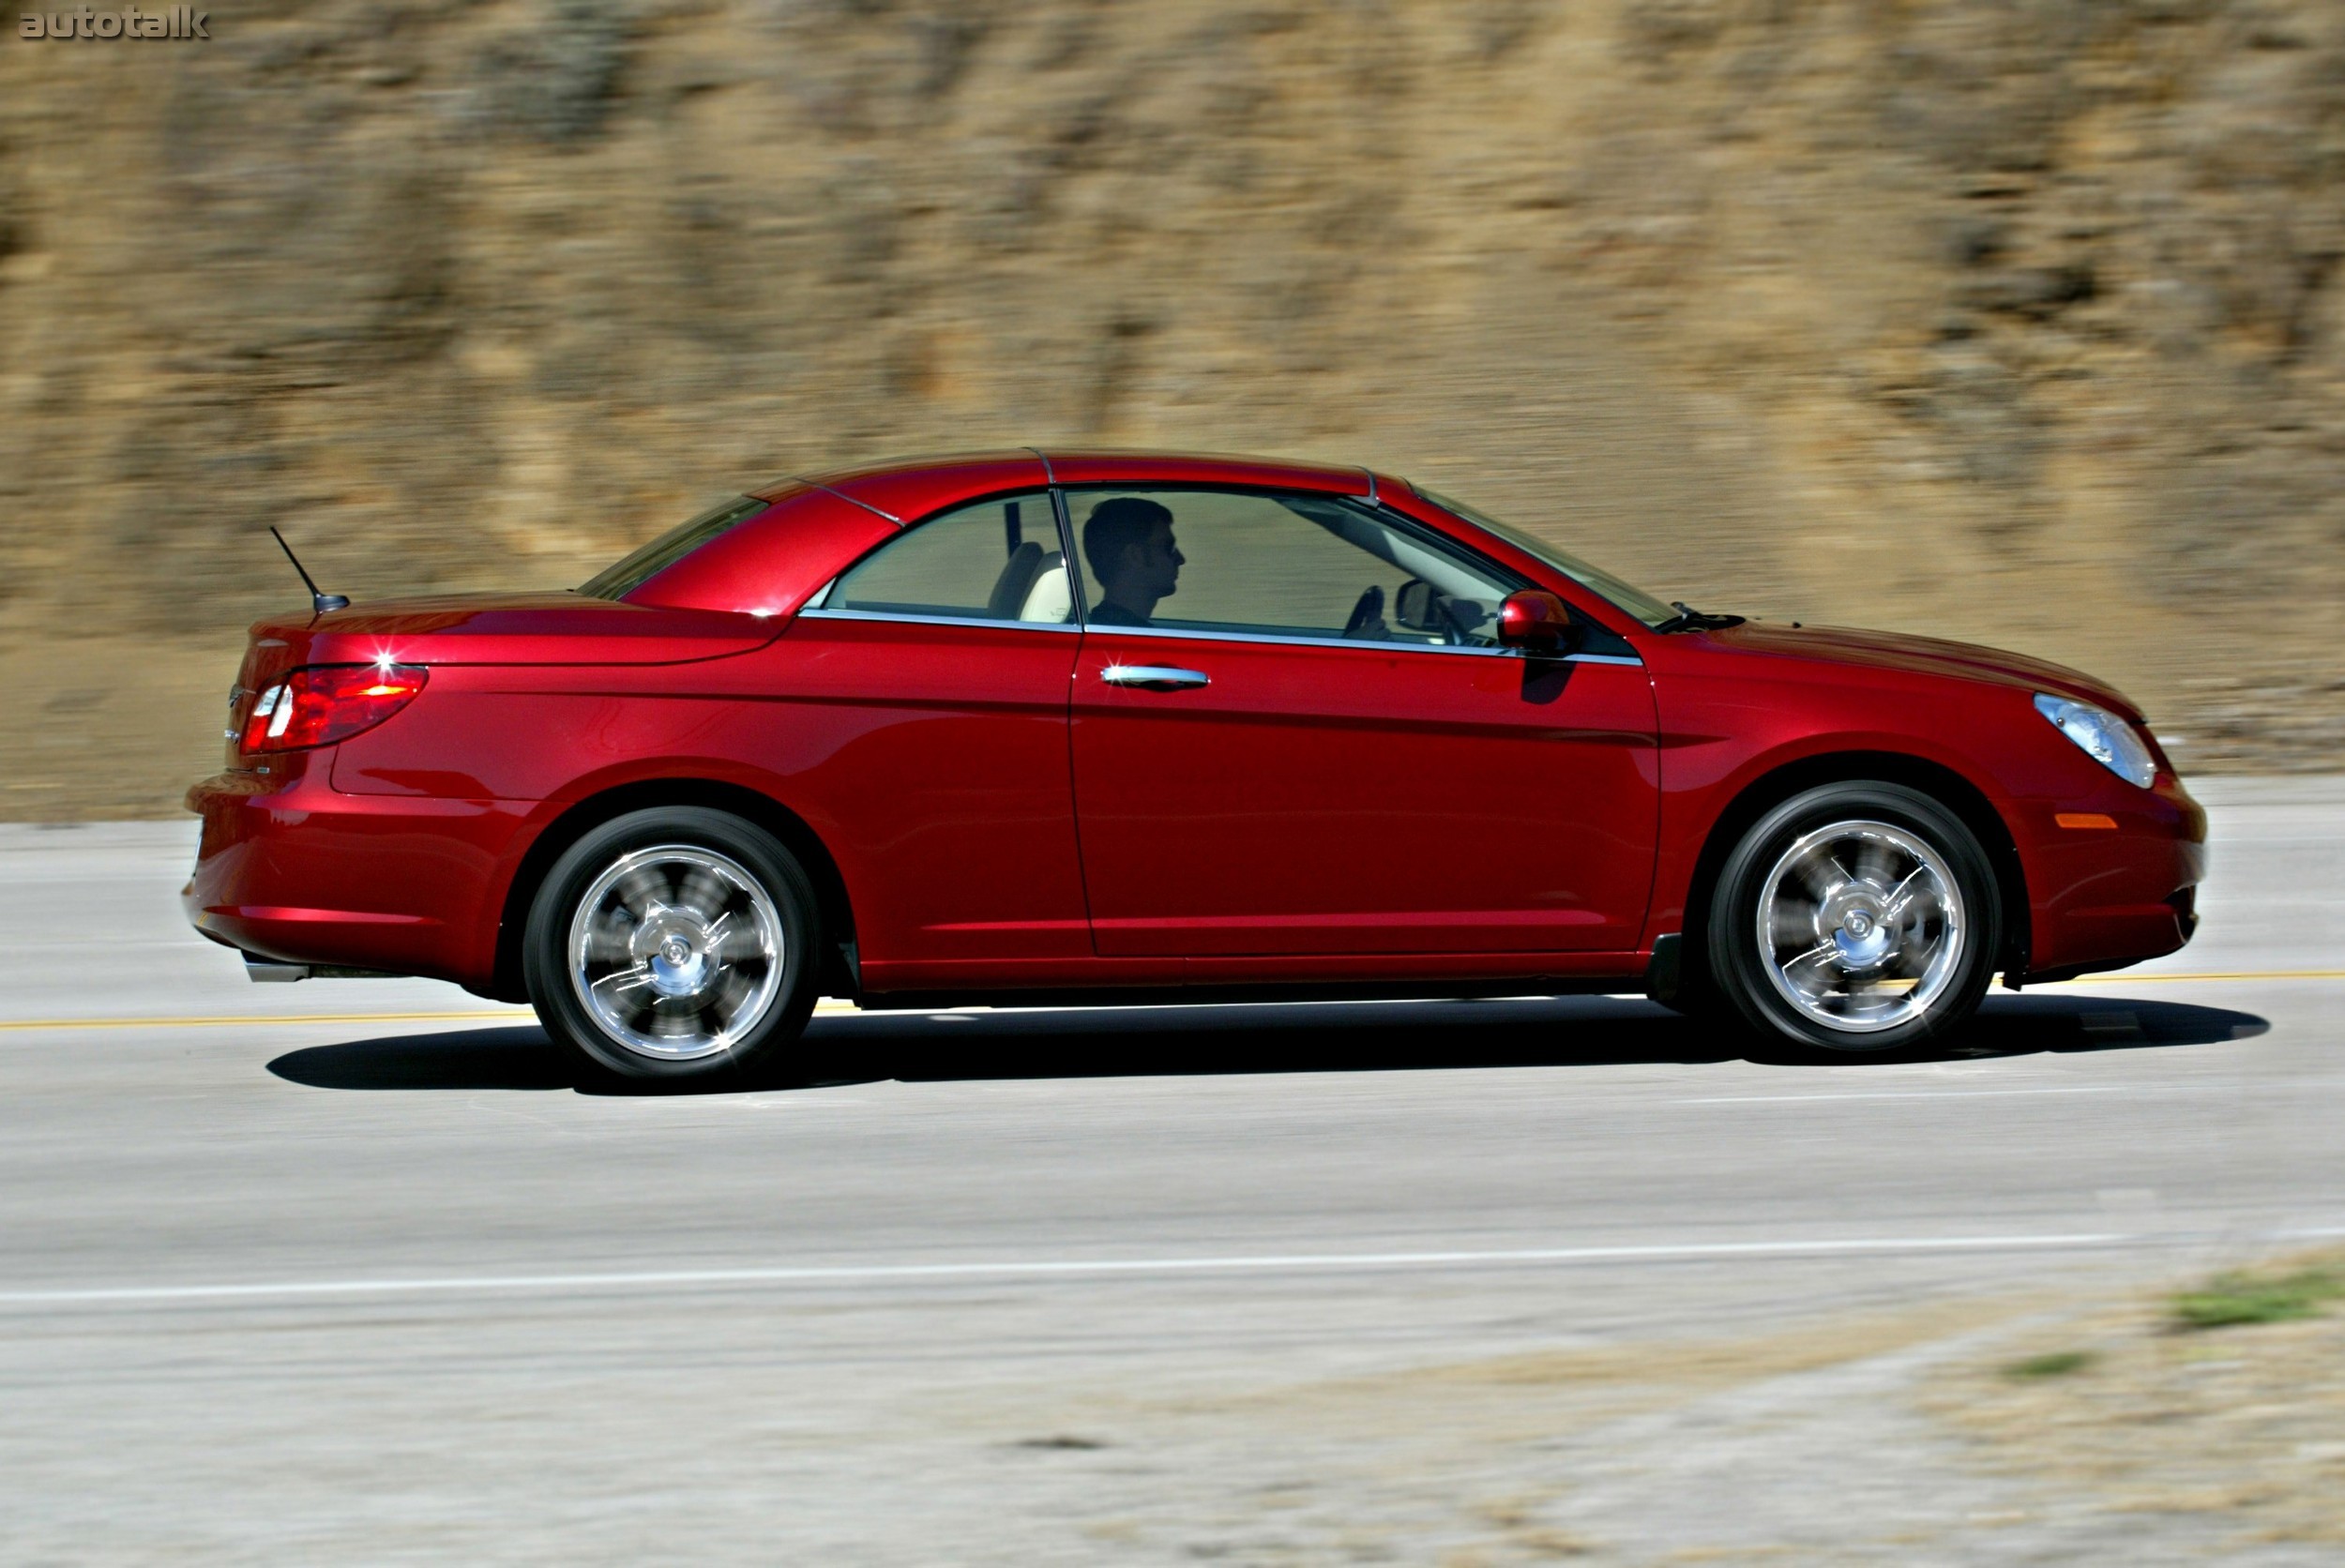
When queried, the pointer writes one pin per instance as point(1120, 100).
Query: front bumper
point(2106, 896)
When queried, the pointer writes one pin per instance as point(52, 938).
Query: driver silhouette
point(1128, 542)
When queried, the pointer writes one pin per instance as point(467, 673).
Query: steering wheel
point(1368, 616)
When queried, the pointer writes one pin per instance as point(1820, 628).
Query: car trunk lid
point(486, 628)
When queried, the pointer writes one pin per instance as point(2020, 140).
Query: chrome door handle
point(1153, 678)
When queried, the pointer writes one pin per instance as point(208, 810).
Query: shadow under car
point(1291, 1037)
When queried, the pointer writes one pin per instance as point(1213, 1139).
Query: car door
point(1311, 743)
point(930, 681)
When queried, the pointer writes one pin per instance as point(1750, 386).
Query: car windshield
point(1635, 600)
point(617, 581)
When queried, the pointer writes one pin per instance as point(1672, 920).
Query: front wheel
point(1856, 917)
point(676, 944)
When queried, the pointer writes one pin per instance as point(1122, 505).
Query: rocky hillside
point(2007, 319)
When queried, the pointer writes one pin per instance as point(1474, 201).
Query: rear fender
point(570, 821)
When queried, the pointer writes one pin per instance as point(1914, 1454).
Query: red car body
point(984, 817)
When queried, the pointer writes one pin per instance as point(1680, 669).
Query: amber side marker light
point(2086, 820)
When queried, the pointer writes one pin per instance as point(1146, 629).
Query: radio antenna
point(320, 602)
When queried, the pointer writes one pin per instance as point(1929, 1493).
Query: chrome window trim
point(1359, 643)
point(1278, 640)
point(850, 499)
point(937, 620)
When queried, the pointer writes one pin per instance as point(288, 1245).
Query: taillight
point(322, 704)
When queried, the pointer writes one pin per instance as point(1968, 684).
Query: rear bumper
point(2104, 898)
point(292, 872)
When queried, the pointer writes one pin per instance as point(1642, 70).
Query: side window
point(1281, 565)
point(995, 561)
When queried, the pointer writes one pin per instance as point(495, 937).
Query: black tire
point(665, 879)
point(1884, 822)
point(1693, 993)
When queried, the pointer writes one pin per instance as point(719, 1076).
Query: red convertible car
point(1022, 727)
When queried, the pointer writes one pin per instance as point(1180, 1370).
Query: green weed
point(2233, 1300)
point(2058, 1364)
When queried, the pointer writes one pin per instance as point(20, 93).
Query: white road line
point(2128, 977)
point(1936, 1094)
point(1049, 1269)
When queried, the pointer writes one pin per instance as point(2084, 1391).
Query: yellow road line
point(241, 1022)
point(502, 1016)
point(23, 1025)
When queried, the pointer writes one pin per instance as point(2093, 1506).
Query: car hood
point(1921, 655)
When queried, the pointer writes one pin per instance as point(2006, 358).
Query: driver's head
point(1128, 542)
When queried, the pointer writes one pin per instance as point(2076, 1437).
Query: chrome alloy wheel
point(676, 952)
point(1861, 926)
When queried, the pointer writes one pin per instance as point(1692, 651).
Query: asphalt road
point(349, 1272)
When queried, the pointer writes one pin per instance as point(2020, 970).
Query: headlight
point(2103, 736)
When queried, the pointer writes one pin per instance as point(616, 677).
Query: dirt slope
point(2003, 319)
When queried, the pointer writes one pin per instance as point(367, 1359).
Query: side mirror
point(1414, 606)
point(1536, 622)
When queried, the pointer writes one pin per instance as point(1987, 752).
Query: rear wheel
point(676, 944)
point(1856, 917)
